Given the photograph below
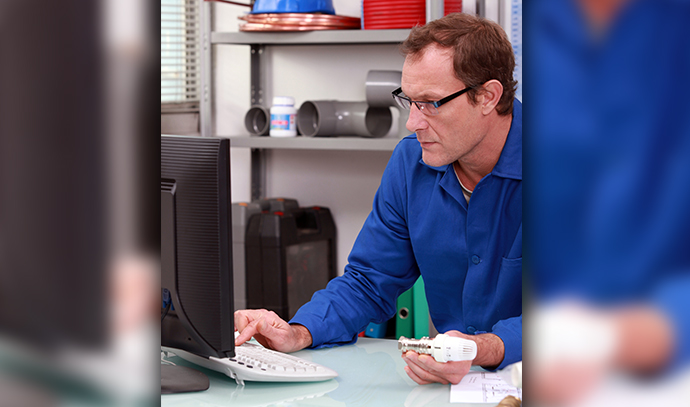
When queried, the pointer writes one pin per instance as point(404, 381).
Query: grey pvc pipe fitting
point(335, 118)
point(379, 86)
point(257, 121)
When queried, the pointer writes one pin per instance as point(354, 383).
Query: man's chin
point(434, 161)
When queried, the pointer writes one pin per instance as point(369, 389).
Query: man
point(449, 208)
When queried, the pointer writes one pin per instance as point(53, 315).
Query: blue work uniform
point(469, 254)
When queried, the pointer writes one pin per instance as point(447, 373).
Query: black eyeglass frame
point(396, 95)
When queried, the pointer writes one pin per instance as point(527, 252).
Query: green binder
point(404, 325)
point(412, 319)
point(421, 310)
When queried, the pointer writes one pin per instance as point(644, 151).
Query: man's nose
point(417, 120)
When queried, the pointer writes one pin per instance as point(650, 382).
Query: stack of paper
point(482, 387)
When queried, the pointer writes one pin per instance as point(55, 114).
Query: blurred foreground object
point(77, 106)
point(609, 161)
point(576, 348)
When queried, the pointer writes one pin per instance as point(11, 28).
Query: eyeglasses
point(428, 108)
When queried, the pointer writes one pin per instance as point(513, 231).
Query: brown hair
point(481, 52)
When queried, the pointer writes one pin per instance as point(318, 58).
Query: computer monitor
point(196, 246)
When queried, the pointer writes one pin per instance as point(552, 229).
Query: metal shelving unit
point(258, 41)
point(326, 37)
point(315, 143)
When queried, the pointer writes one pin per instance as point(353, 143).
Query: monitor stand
point(182, 379)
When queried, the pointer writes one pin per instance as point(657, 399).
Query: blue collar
point(509, 164)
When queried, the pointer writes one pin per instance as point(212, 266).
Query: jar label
point(282, 122)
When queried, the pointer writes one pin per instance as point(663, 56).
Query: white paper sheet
point(482, 387)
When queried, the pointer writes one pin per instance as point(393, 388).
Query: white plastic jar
point(283, 117)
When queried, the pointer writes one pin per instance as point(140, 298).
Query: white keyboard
point(256, 363)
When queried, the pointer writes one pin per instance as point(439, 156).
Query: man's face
point(456, 130)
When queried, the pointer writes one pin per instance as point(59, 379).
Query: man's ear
point(491, 94)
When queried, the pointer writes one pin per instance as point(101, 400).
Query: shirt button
point(471, 329)
point(475, 259)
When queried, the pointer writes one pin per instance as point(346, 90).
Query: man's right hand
point(270, 331)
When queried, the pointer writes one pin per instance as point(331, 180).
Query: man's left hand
point(424, 369)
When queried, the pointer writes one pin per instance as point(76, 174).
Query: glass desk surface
point(370, 374)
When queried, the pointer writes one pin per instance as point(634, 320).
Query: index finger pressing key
point(244, 318)
point(245, 335)
point(239, 317)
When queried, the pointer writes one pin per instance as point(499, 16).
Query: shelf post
point(258, 77)
point(434, 10)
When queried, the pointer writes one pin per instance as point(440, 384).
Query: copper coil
point(285, 18)
point(276, 27)
point(297, 22)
